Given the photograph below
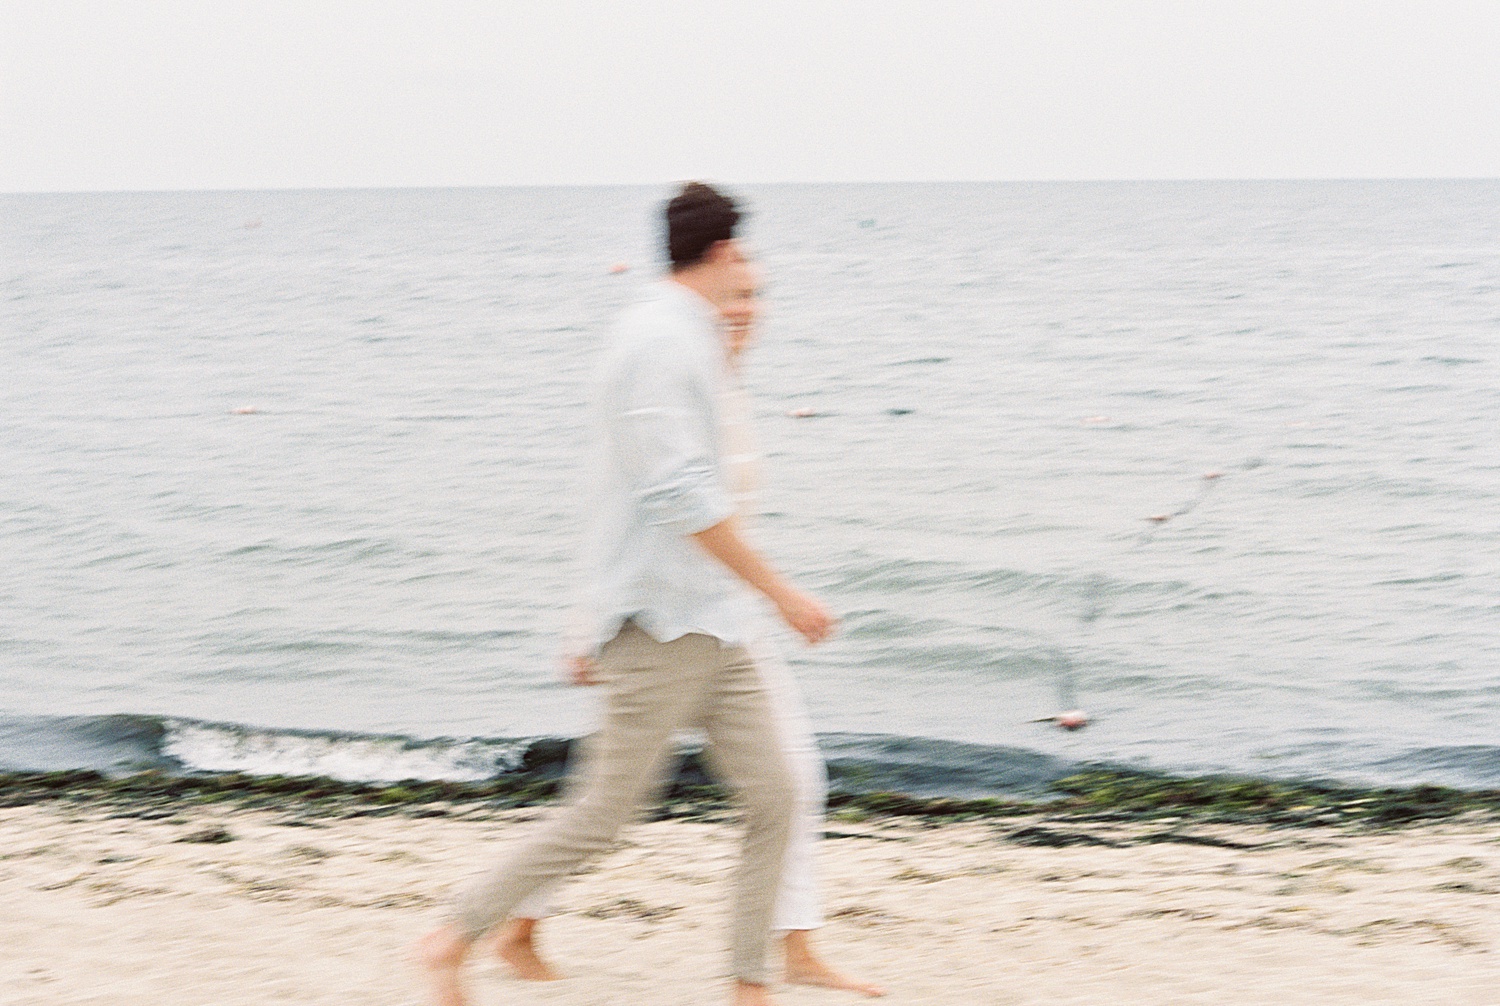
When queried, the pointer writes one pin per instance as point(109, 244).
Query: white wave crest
point(212, 747)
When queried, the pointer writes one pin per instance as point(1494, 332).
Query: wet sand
point(207, 903)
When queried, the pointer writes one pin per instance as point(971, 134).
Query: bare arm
point(802, 612)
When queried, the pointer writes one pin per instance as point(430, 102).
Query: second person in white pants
point(798, 905)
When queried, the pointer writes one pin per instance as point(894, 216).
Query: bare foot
point(441, 954)
point(746, 994)
point(805, 967)
point(516, 947)
point(822, 975)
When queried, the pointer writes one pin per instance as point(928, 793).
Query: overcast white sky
point(160, 94)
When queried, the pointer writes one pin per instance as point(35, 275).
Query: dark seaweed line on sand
point(1090, 795)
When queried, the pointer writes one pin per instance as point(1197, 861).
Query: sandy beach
point(206, 903)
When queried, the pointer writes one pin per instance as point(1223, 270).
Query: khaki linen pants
point(651, 690)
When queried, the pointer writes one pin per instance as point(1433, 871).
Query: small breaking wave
point(123, 744)
point(219, 747)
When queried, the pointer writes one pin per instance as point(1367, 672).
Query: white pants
point(797, 902)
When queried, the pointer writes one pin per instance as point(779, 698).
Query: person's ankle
point(444, 947)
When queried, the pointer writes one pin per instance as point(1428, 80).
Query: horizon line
point(766, 184)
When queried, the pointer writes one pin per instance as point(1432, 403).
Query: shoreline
point(124, 743)
point(1094, 794)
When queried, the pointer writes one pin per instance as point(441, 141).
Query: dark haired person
point(672, 585)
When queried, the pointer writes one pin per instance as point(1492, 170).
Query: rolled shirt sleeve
point(666, 437)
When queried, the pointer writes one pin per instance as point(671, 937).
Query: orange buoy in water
point(1073, 719)
point(618, 268)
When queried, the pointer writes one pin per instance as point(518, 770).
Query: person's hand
point(581, 671)
point(805, 614)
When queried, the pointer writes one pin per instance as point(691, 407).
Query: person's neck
point(695, 281)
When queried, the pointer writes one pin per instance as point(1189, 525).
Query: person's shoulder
point(648, 298)
point(653, 322)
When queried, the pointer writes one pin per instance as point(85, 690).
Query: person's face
point(740, 309)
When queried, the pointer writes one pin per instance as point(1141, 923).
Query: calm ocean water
point(1009, 379)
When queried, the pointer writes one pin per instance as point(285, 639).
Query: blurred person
point(671, 585)
point(797, 903)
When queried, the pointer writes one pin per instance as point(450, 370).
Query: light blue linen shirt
point(657, 476)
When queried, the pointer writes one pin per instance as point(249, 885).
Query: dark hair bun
point(698, 216)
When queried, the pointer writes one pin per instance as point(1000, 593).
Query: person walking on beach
point(671, 579)
point(798, 909)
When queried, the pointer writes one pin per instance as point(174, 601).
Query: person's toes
point(825, 977)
